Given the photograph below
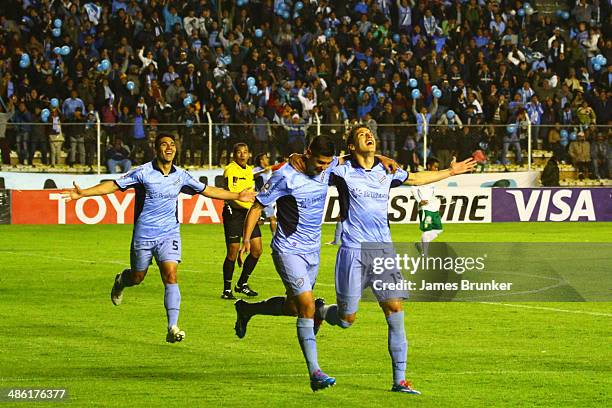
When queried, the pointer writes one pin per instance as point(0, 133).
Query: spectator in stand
point(90, 138)
point(118, 155)
point(6, 113)
point(580, 153)
point(296, 133)
point(23, 120)
point(71, 104)
point(38, 139)
point(600, 154)
point(189, 135)
point(56, 137)
point(76, 136)
point(261, 133)
point(140, 143)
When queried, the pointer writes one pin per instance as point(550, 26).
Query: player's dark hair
point(160, 136)
point(238, 146)
point(431, 161)
point(350, 140)
point(258, 158)
point(322, 146)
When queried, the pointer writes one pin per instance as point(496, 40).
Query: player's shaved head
point(322, 146)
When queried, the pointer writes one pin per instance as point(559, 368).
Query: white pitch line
point(550, 309)
point(291, 375)
point(124, 263)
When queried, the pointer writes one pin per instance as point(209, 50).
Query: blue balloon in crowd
point(526, 5)
point(283, 6)
point(511, 128)
point(564, 134)
point(258, 33)
point(396, 37)
point(285, 15)
point(44, 114)
point(559, 13)
point(601, 60)
point(130, 86)
point(520, 12)
point(25, 57)
point(57, 23)
point(369, 90)
point(573, 136)
point(437, 93)
point(251, 81)
point(298, 6)
point(187, 101)
point(565, 15)
point(227, 59)
point(328, 32)
point(54, 102)
point(65, 50)
point(413, 83)
point(450, 114)
point(56, 32)
point(24, 64)
point(105, 64)
point(296, 15)
point(596, 67)
point(253, 90)
point(57, 50)
point(564, 142)
point(415, 94)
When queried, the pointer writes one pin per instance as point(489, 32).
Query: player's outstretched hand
point(244, 248)
point(298, 162)
point(247, 195)
point(72, 194)
point(389, 164)
point(462, 167)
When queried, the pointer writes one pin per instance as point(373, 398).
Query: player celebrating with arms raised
point(156, 227)
point(363, 189)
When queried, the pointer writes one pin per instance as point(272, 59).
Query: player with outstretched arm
point(156, 231)
point(363, 189)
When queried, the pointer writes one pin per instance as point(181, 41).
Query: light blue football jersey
point(156, 204)
point(364, 197)
point(300, 204)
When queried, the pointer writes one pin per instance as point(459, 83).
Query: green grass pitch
point(58, 328)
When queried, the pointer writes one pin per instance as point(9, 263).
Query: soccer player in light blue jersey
point(363, 187)
point(156, 227)
point(300, 198)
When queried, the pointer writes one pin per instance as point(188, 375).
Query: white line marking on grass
point(296, 375)
point(124, 263)
point(550, 309)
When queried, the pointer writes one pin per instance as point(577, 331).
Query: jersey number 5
point(175, 245)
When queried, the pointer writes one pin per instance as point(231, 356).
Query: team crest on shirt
point(265, 187)
point(299, 282)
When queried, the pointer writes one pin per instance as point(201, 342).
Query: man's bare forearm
point(219, 193)
point(426, 177)
point(106, 187)
point(251, 221)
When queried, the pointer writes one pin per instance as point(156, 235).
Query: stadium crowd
point(267, 72)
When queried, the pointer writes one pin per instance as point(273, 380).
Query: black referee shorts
point(233, 224)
